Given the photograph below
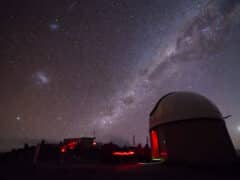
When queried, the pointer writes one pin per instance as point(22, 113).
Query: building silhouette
point(187, 127)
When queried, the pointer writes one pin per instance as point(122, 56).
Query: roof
point(177, 106)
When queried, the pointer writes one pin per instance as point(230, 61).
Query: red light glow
point(63, 150)
point(163, 154)
point(155, 146)
point(123, 153)
point(72, 145)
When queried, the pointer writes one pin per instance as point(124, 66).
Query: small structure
point(45, 152)
point(79, 149)
point(187, 127)
point(86, 142)
point(83, 143)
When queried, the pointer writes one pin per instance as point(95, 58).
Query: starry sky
point(71, 68)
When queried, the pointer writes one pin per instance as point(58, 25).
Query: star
point(54, 26)
point(238, 128)
point(18, 118)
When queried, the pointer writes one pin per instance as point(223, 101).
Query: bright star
point(54, 26)
point(18, 118)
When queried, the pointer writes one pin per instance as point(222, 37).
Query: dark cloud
point(204, 35)
point(224, 6)
point(128, 100)
point(208, 32)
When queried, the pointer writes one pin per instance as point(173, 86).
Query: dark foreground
point(121, 171)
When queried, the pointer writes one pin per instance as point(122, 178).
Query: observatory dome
point(179, 106)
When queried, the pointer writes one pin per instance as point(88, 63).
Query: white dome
point(179, 106)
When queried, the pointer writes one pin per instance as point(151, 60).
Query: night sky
point(71, 68)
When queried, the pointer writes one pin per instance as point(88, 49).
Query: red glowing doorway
point(155, 145)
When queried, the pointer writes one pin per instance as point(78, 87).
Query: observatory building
point(187, 127)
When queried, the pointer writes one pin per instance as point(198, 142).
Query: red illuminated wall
point(155, 145)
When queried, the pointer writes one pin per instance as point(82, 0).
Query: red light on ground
point(127, 167)
point(123, 153)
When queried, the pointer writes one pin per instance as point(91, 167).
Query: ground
point(121, 171)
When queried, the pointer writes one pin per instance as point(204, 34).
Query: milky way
point(78, 68)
